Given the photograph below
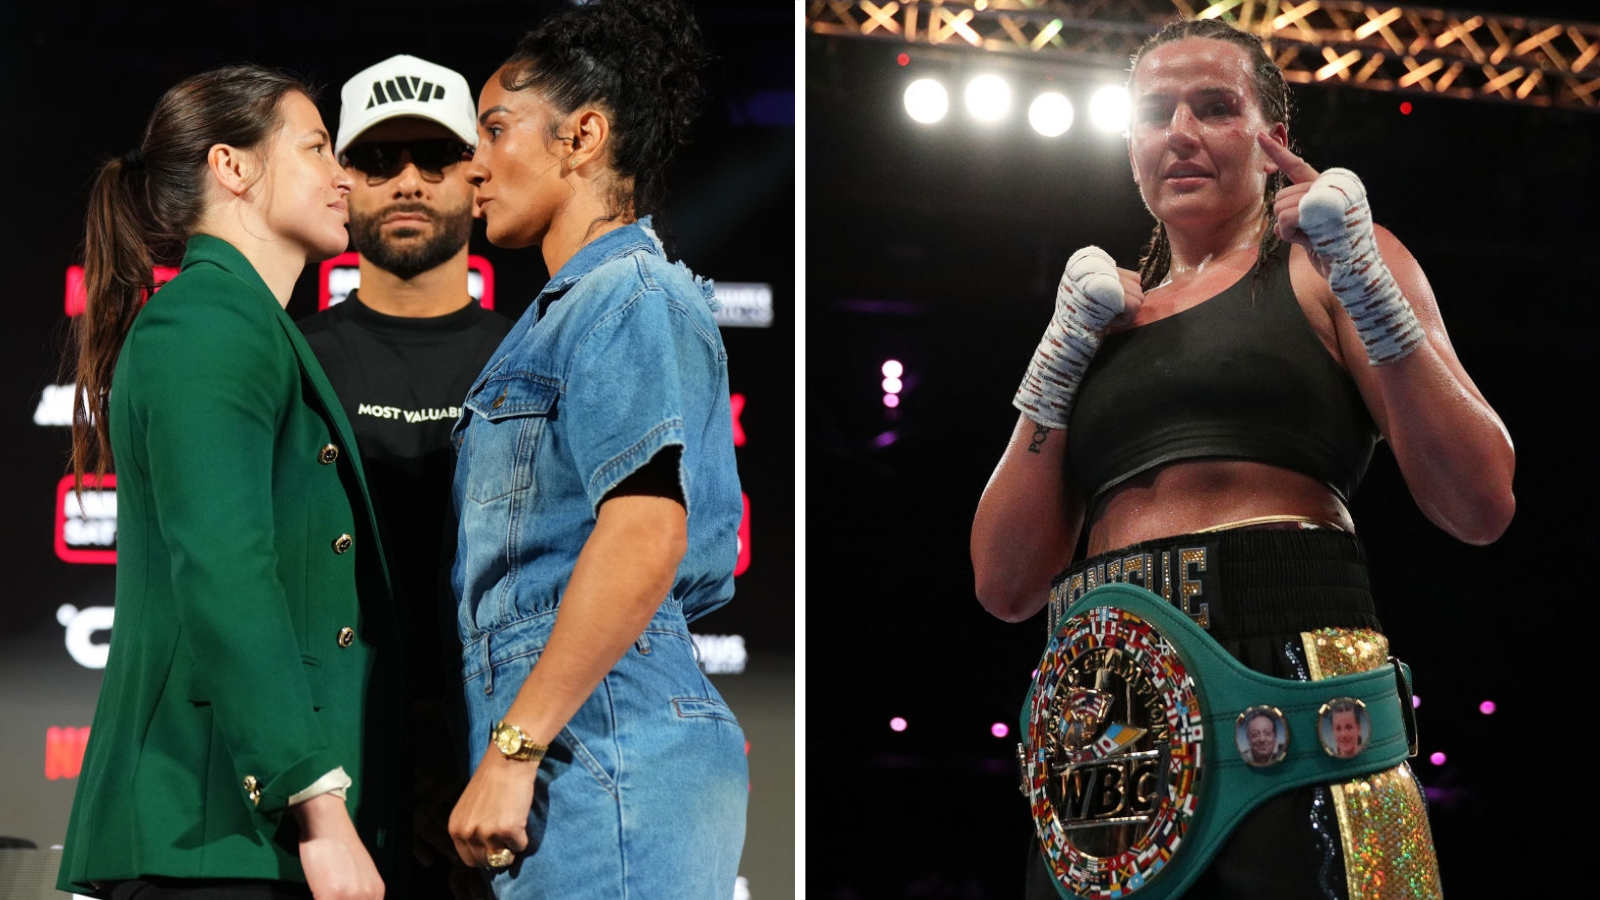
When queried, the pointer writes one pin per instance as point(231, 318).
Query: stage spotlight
point(1050, 114)
point(999, 729)
point(892, 385)
point(988, 98)
point(897, 724)
point(1486, 707)
point(1108, 109)
point(1437, 758)
point(926, 101)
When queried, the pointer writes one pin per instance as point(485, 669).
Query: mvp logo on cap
point(406, 86)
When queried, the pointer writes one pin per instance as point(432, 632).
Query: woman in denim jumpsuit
point(596, 488)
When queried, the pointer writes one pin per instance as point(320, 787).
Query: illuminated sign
point(721, 654)
point(77, 296)
point(743, 561)
point(86, 526)
point(339, 276)
point(55, 405)
point(82, 625)
point(63, 752)
point(744, 305)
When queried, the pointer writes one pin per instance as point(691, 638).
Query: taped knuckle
point(1105, 290)
point(1088, 261)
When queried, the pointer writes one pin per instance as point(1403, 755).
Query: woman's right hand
point(1132, 299)
point(336, 863)
point(1089, 297)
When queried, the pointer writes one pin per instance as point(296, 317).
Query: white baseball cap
point(406, 86)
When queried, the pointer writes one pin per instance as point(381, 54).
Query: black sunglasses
point(383, 159)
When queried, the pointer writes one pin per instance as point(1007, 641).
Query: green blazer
point(255, 644)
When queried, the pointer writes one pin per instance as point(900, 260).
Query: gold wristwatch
point(514, 744)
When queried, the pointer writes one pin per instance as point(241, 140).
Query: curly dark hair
point(638, 59)
point(1277, 105)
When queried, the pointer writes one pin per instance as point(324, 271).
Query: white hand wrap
point(1089, 297)
point(1335, 215)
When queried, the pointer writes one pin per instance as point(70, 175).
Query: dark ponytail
point(143, 206)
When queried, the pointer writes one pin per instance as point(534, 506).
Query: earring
point(572, 163)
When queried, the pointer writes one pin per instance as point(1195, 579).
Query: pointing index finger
point(1298, 170)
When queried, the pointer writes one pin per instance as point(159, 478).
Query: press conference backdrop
point(731, 209)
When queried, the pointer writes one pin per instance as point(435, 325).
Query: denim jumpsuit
point(644, 792)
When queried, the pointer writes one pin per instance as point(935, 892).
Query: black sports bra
point(1237, 376)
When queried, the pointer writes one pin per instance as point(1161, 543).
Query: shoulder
point(320, 321)
point(228, 309)
point(489, 320)
point(662, 300)
point(666, 285)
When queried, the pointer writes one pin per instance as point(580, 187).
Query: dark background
point(941, 246)
point(82, 77)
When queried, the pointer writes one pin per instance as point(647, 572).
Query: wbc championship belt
point(1145, 743)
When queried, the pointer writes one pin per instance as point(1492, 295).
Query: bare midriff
point(1197, 495)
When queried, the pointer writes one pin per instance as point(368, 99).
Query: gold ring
point(499, 859)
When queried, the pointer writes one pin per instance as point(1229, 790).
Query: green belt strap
point(1228, 787)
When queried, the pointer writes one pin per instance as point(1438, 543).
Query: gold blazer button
point(347, 636)
point(328, 454)
point(342, 543)
point(253, 789)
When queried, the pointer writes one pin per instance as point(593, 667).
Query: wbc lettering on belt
point(1178, 574)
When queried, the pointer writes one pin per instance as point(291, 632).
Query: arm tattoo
point(1040, 433)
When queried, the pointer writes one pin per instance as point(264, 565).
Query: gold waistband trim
point(1307, 521)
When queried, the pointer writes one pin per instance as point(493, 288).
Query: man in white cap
point(401, 351)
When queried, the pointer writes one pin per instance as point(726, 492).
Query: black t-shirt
point(402, 381)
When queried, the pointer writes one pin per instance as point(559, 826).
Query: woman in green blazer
point(236, 747)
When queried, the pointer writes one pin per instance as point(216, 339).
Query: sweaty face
point(1263, 737)
point(303, 189)
point(518, 168)
point(1192, 139)
point(412, 220)
point(1346, 733)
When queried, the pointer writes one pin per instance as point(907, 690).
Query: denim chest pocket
point(510, 414)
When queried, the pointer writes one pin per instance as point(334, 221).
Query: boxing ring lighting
point(1050, 114)
point(1052, 111)
point(1108, 109)
point(1411, 49)
point(892, 385)
point(926, 101)
point(987, 97)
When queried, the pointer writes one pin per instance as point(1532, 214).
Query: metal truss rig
point(1384, 47)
